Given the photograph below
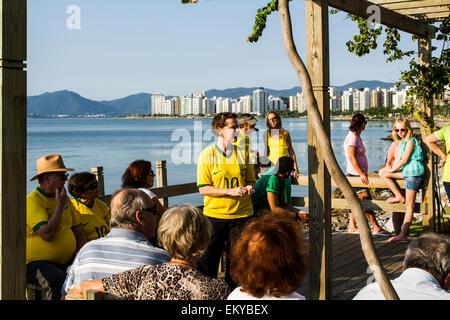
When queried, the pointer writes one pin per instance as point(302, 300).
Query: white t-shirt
point(238, 294)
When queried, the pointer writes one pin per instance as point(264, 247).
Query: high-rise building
point(364, 99)
point(386, 98)
point(375, 98)
point(157, 103)
point(347, 100)
point(275, 103)
point(260, 101)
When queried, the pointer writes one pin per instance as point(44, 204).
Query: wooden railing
point(164, 191)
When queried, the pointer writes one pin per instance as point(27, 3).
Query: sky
point(118, 48)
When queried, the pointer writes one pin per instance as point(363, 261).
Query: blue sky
point(127, 47)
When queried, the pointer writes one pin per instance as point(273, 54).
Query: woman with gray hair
point(184, 232)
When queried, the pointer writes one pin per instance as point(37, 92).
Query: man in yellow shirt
point(226, 179)
point(54, 232)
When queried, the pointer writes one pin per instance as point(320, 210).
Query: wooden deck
point(350, 270)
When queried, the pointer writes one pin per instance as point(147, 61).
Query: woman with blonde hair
point(277, 141)
point(184, 232)
point(410, 168)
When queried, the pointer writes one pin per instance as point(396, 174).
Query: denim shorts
point(413, 183)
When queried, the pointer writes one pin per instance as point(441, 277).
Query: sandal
point(398, 240)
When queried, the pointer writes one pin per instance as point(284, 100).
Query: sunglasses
point(151, 173)
point(153, 210)
point(401, 130)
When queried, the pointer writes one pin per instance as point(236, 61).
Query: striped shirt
point(119, 251)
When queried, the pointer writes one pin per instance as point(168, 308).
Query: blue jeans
point(413, 183)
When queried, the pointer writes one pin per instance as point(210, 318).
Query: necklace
point(182, 263)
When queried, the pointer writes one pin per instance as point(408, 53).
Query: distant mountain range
point(72, 104)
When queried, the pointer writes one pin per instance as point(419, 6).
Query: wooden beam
point(412, 4)
point(387, 17)
point(319, 188)
point(425, 52)
point(424, 11)
point(13, 105)
point(375, 205)
point(374, 182)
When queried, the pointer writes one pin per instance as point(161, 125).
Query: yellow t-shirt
point(277, 147)
point(95, 220)
point(40, 207)
point(444, 135)
point(215, 169)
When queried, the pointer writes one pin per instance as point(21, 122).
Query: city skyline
point(121, 49)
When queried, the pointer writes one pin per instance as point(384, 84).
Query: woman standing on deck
point(410, 168)
point(94, 213)
point(226, 179)
point(357, 166)
point(277, 141)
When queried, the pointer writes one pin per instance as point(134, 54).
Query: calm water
point(114, 143)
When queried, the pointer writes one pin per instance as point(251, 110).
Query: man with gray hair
point(127, 246)
point(426, 272)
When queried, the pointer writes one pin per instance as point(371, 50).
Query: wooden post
point(13, 112)
point(98, 171)
point(161, 179)
point(319, 185)
point(428, 211)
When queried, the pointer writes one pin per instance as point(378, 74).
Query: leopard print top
point(165, 282)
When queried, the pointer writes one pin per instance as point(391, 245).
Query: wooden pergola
point(403, 15)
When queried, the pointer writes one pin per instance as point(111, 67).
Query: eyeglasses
point(401, 130)
point(273, 118)
point(153, 210)
point(151, 173)
point(63, 176)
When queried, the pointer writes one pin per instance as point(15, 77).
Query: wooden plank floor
point(350, 270)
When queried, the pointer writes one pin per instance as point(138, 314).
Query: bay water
point(114, 143)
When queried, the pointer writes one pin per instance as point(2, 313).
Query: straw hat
point(50, 163)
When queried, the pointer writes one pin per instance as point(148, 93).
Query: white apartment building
point(260, 101)
point(275, 103)
point(347, 100)
point(364, 99)
point(297, 103)
point(157, 101)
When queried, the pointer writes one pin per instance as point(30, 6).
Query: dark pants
point(225, 231)
point(447, 188)
point(50, 276)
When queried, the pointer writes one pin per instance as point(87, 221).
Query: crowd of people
point(135, 248)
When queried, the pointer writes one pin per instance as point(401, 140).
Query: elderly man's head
point(430, 252)
point(133, 209)
point(51, 173)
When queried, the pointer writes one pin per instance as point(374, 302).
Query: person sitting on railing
point(426, 272)
point(94, 213)
point(139, 175)
point(358, 166)
point(410, 168)
point(431, 140)
point(54, 232)
point(269, 259)
point(273, 190)
point(127, 246)
point(184, 232)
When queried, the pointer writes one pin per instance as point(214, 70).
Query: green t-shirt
point(269, 182)
point(444, 135)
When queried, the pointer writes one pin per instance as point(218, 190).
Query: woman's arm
point(354, 162)
point(292, 153)
point(408, 152)
point(79, 288)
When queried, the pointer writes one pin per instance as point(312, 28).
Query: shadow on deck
point(350, 270)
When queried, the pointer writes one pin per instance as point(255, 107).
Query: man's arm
point(48, 231)
point(79, 236)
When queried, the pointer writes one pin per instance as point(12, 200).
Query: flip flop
point(395, 239)
point(353, 232)
point(393, 200)
point(383, 233)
